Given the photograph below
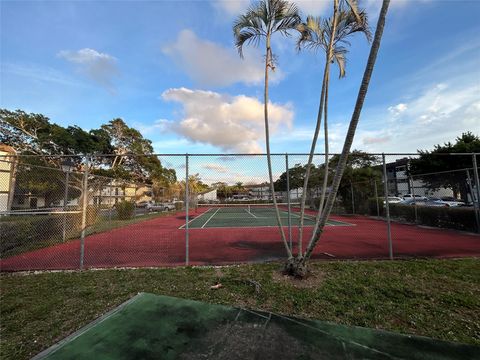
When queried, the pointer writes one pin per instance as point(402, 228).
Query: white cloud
point(232, 123)
point(99, 67)
point(210, 64)
point(236, 7)
point(231, 7)
point(397, 109)
point(313, 7)
point(436, 115)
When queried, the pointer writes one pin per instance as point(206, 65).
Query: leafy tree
point(34, 134)
point(261, 21)
point(431, 162)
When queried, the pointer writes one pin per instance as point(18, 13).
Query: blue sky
point(170, 69)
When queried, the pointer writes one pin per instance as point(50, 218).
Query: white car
point(169, 206)
point(393, 200)
point(451, 201)
point(417, 197)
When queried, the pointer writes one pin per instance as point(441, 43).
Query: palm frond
point(316, 33)
point(340, 59)
point(247, 36)
point(311, 35)
point(353, 5)
point(249, 28)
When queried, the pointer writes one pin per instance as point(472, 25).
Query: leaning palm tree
point(299, 266)
point(329, 35)
point(260, 22)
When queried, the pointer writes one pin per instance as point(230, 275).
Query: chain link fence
point(77, 212)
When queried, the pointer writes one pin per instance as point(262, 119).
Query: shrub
point(458, 218)
point(178, 205)
point(20, 233)
point(35, 230)
point(125, 210)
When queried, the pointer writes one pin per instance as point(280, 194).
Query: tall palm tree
point(331, 36)
point(260, 22)
point(299, 269)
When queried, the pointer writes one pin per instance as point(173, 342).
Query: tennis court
point(250, 215)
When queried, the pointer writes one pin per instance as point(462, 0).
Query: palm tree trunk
point(351, 130)
point(268, 60)
point(317, 127)
point(325, 177)
point(310, 160)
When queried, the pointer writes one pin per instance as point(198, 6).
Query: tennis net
point(267, 208)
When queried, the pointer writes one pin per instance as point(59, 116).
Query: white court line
point(251, 214)
point(195, 218)
point(210, 218)
point(311, 217)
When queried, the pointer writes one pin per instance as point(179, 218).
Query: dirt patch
point(250, 341)
point(313, 280)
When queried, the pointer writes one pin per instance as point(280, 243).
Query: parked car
point(155, 207)
point(414, 201)
point(393, 200)
point(143, 204)
point(411, 196)
point(451, 201)
point(434, 202)
point(169, 206)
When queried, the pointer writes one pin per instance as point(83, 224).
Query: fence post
point(387, 208)
point(84, 213)
point(477, 185)
point(415, 210)
point(376, 196)
point(65, 208)
point(288, 202)
point(186, 209)
point(476, 205)
point(135, 201)
point(353, 200)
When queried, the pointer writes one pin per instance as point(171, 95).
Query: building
point(400, 183)
point(259, 191)
point(7, 177)
point(209, 195)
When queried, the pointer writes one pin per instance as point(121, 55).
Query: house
point(7, 177)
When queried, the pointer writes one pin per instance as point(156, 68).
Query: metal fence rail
point(76, 212)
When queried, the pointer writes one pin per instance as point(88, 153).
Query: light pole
point(67, 166)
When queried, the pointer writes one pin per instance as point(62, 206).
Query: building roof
point(7, 149)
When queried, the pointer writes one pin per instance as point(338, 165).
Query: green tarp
point(160, 327)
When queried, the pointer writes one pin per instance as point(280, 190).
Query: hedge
point(458, 218)
point(125, 210)
point(35, 231)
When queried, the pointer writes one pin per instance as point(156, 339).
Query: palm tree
point(261, 21)
point(299, 268)
point(329, 35)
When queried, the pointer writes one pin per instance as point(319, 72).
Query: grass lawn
point(105, 224)
point(435, 298)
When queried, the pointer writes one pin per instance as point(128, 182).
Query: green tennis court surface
point(160, 327)
point(254, 215)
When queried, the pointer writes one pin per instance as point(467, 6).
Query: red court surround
point(160, 242)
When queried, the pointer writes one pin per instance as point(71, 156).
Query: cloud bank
point(97, 66)
point(232, 123)
point(210, 64)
